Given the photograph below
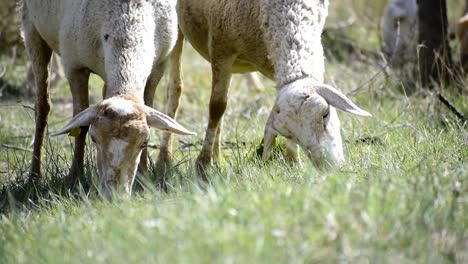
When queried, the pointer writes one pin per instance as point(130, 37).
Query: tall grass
point(401, 196)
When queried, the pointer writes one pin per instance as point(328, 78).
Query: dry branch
point(452, 108)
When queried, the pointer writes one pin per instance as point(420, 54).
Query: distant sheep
point(399, 30)
point(282, 40)
point(126, 43)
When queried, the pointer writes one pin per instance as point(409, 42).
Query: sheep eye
point(93, 139)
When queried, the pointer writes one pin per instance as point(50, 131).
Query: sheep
point(399, 30)
point(282, 40)
point(126, 43)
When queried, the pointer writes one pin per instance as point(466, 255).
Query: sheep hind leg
point(39, 53)
point(221, 70)
point(78, 80)
point(173, 93)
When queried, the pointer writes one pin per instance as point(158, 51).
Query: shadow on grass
point(20, 192)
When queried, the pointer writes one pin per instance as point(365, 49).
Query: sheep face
point(305, 113)
point(119, 128)
point(120, 133)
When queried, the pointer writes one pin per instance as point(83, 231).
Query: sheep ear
point(85, 118)
point(339, 100)
point(161, 121)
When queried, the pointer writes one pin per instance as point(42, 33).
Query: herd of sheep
point(128, 43)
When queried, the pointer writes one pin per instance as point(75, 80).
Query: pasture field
point(400, 197)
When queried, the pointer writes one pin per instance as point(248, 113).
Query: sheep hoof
point(203, 165)
point(164, 161)
point(71, 180)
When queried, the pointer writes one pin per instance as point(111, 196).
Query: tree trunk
point(435, 59)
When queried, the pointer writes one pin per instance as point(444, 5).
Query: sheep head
point(119, 127)
point(304, 112)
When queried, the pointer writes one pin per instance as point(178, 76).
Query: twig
point(341, 25)
point(153, 146)
point(2, 72)
point(28, 107)
point(364, 84)
point(15, 147)
point(19, 105)
point(452, 108)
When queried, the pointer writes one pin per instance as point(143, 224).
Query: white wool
point(293, 35)
point(118, 40)
point(121, 106)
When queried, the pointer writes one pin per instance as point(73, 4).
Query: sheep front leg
point(150, 90)
point(78, 80)
point(221, 70)
point(292, 152)
point(39, 53)
point(174, 91)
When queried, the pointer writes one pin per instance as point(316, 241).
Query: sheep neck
point(293, 30)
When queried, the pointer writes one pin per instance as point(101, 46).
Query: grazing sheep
point(126, 43)
point(399, 30)
point(282, 40)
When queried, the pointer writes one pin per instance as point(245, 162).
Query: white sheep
point(400, 30)
point(282, 40)
point(126, 43)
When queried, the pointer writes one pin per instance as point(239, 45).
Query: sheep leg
point(56, 70)
point(217, 143)
point(150, 90)
point(174, 91)
point(292, 152)
point(221, 70)
point(39, 53)
point(78, 80)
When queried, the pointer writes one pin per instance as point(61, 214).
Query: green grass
point(401, 196)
